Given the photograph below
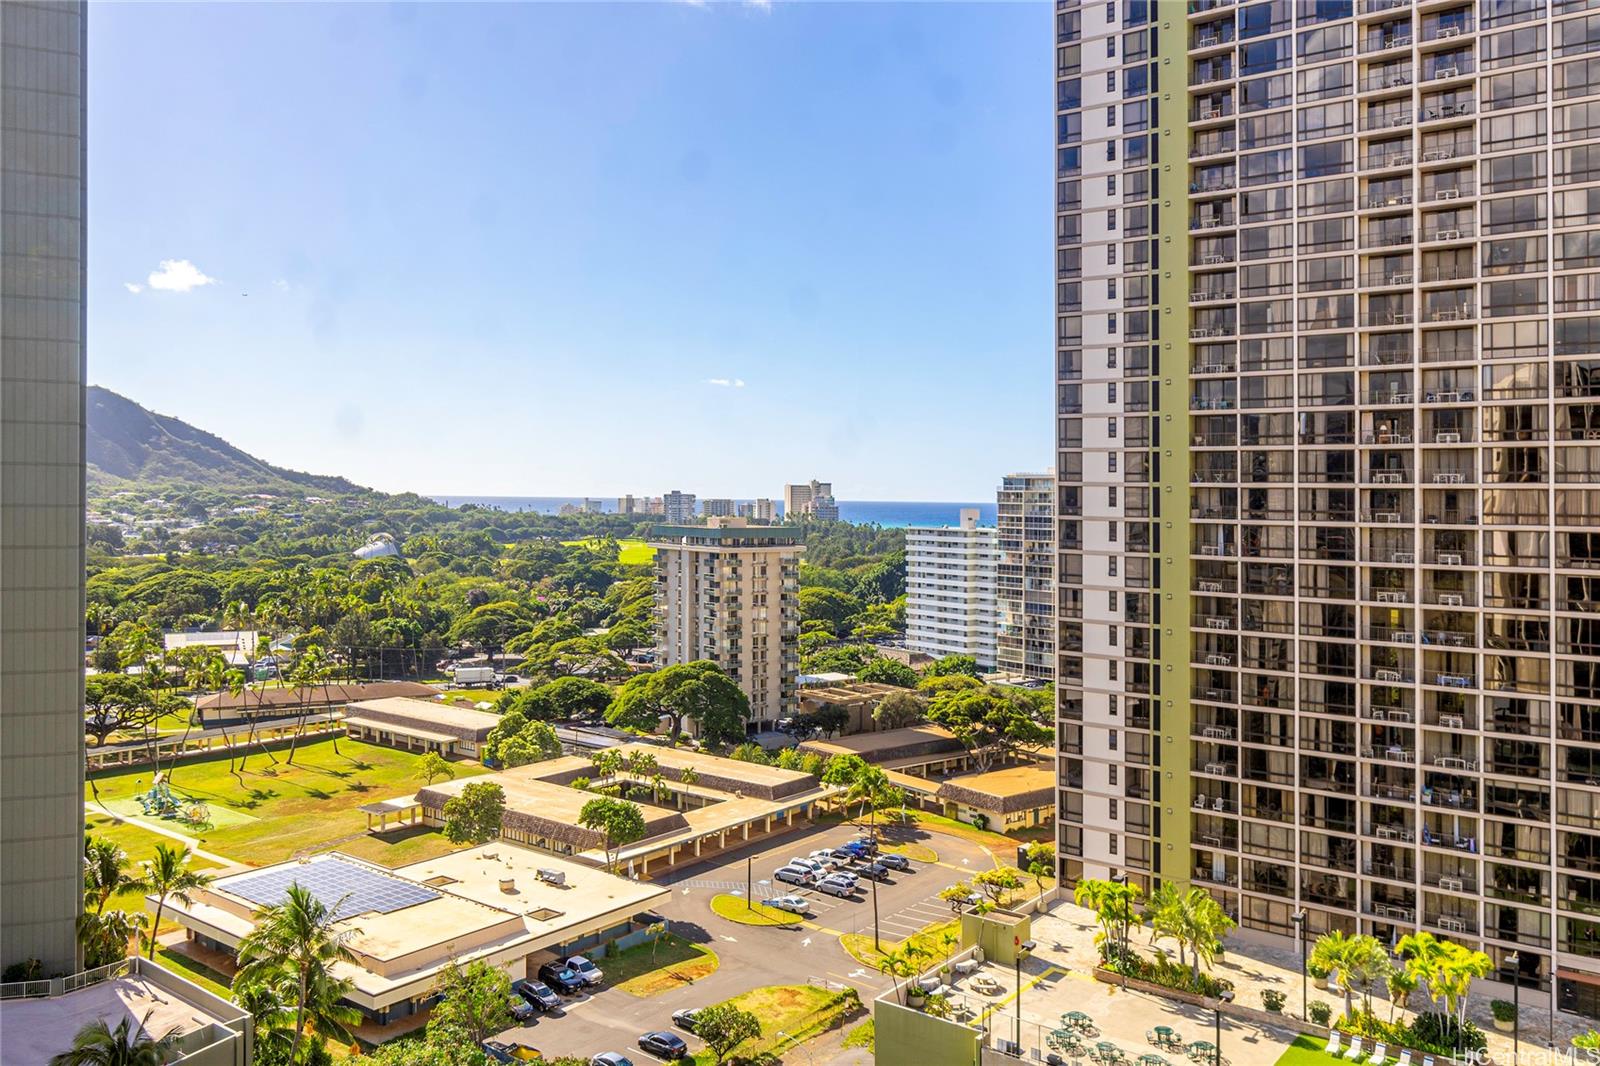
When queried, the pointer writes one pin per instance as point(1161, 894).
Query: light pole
point(785, 1036)
point(1225, 996)
point(1299, 919)
point(1024, 949)
point(749, 904)
point(875, 946)
point(1514, 960)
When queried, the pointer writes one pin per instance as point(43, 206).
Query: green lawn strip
point(863, 1035)
point(913, 851)
point(737, 909)
point(1006, 843)
point(198, 972)
point(1307, 1051)
point(800, 1012)
point(630, 552)
point(465, 696)
point(140, 844)
point(927, 940)
point(306, 806)
point(649, 968)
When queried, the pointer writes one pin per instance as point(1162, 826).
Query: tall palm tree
point(293, 948)
point(1163, 911)
point(1422, 953)
point(168, 876)
point(97, 1044)
point(1112, 903)
point(901, 962)
point(1202, 923)
point(105, 871)
point(104, 938)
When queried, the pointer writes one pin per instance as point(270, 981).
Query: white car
point(587, 972)
point(813, 865)
point(796, 875)
point(826, 858)
point(792, 904)
point(836, 886)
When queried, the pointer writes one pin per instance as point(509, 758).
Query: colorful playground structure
point(162, 802)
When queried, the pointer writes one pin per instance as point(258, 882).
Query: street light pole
point(1514, 960)
point(875, 946)
point(1122, 958)
point(1299, 919)
point(1023, 949)
point(749, 904)
point(1224, 996)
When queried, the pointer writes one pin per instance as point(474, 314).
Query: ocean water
point(890, 513)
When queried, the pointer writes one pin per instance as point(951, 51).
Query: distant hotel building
point(678, 506)
point(950, 589)
point(717, 508)
point(813, 499)
point(759, 510)
point(1329, 491)
point(728, 591)
point(1025, 592)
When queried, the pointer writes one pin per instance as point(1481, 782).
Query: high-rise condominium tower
point(1328, 335)
point(1025, 586)
point(950, 596)
point(730, 592)
point(814, 498)
point(41, 482)
point(678, 506)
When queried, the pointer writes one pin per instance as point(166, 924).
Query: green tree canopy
point(473, 816)
point(992, 723)
point(952, 664)
point(697, 690)
point(620, 822)
point(898, 710)
point(886, 671)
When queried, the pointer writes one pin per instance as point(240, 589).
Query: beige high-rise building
point(762, 510)
point(1328, 345)
point(716, 507)
point(42, 400)
point(729, 592)
point(813, 499)
point(1025, 585)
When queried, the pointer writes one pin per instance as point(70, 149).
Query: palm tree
point(1356, 960)
point(99, 1045)
point(105, 871)
point(1400, 984)
point(168, 876)
point(1112, 903)
point(104, 938)
point(292, 950)
point(899, 963)
point(1201, 923)
point(1162, 911)
point(1422, 953)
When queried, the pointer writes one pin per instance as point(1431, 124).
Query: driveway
point(752, 956)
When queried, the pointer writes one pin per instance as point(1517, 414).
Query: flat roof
point(279, 697)
point(35, 1030)
point(402, 728)
point(544, 808)
point(435, 712)
point(911, 738)
point(1010, 789)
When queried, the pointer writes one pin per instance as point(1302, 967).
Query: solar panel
point(345, 888)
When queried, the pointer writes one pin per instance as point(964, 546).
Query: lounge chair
point(1380, 1055)
point(1405, 1057)
point(1354, 1054)
point(1334, 1043)
point(1427, 1060)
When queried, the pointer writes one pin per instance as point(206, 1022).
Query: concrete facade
point(950, 589)
point(42, 321)
point(729, 592)
point(813, 499)
point(678, 506)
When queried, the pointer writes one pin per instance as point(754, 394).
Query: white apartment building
point(1025, 592)
point(729, 592)
point(764, 510)
point(716, 508)
point(678, 506)
point(814, 499)
point(950, 589)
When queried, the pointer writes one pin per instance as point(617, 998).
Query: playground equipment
point(162, 802)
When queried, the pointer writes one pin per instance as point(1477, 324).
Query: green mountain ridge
point(128, 444)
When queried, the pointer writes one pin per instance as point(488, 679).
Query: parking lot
point(752, 956)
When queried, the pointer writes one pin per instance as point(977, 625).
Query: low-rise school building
point(421, 725)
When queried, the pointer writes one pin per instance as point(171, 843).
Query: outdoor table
point(1152, 1060)
point(1165, 1037)
point(1106, 1051)
point(1202, 1049)
point(1075, 1019)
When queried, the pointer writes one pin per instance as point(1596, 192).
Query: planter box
point(1254, 1015)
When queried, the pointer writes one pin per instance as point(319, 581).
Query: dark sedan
point(560, 978)
point(665, 1045)
point(537, 994)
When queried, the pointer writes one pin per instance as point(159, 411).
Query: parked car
point(895, 862)
point(836, 886)
point(520, 1008)
point(792, 904)
point(537, 994)
point(796, 875)
point(669, 1046)
point(826, 857)
point(861, 846)
point(510, 1051)
point(587, 971)
point(875, 871)
point(610, 1058)
point(560, 978)
point(685, 1018)
point(813, 865)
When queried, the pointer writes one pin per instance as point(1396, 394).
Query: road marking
point(729, 939)
point(806, 942)
point(821, 928)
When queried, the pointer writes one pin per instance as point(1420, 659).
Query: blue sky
point(582, 248)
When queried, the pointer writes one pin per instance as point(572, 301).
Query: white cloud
point(133, 287)
point(178, 275)
point(726, 383)
point(281, 285)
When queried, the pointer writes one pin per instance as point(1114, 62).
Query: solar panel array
point(345, 888)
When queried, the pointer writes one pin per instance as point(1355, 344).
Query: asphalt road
point(752, 957)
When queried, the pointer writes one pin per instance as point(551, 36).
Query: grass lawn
point(670, 963)
point(1307, 1051)
point(859, 945)
point(913, 851)
point(1006, 843)
point(736, 909)
point(309, 806)
point(798, 1011)
point(630, 552)
point(198, 972)
point(140, 844)
point(466, 697)
point(863, 1035)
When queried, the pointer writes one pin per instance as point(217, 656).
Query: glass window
point(1577, 166)
point(1264, 168)
point(1069, 94)
point(1327, 197)
point(1578, 122)
point(1502, 133)
point(1578, 207)
point(1326, 120)
point(1525, 44)
point(1578, 36)
point(1578, 78)
point(1257, 20)
point(1514, 213)
point(1264, 205)
point(1321, 83)
point(1327, 42)
point(1514, 255)
point(1332, 157)
point(1577, 292)
point(1516, 89)
point(1525, 296)
point(1327, 235)
point(1265, 93)
point(1314, 11)
point(1513, 172)
point(1258, 57)
point(1261, 131)
point(1508, 12)
point(1318, 275)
